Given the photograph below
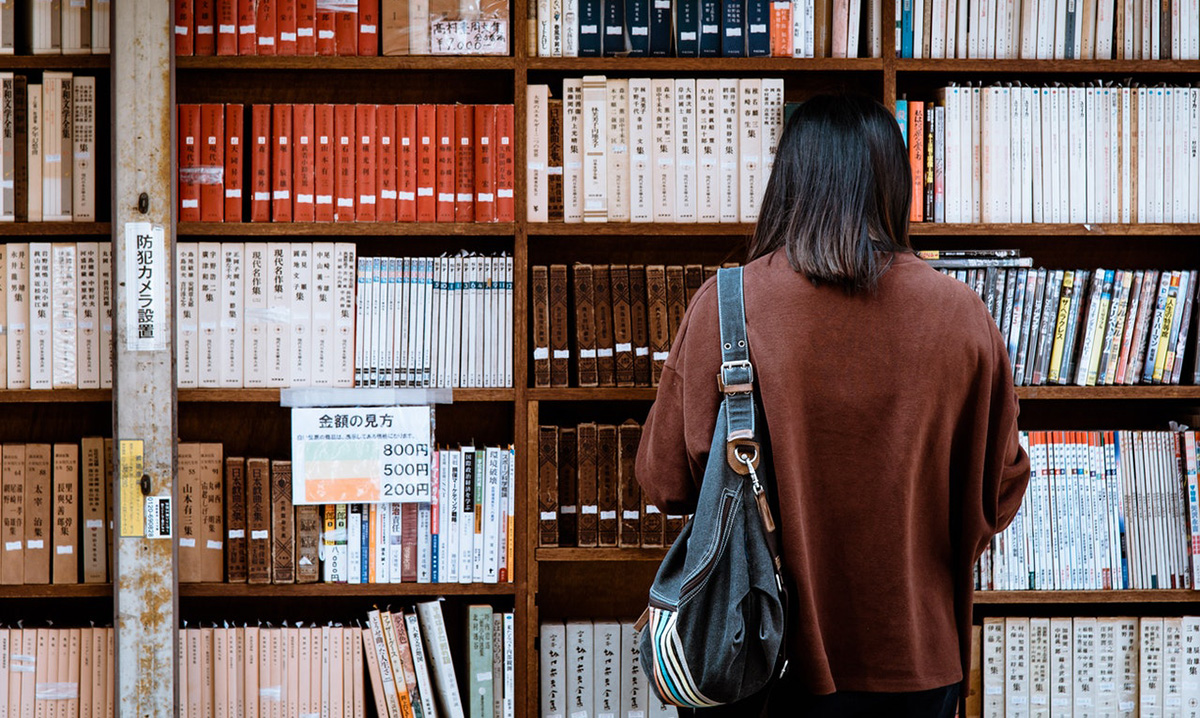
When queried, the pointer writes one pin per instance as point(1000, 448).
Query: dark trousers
point(785, 703)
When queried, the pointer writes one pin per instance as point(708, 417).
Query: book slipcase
point(568, 583)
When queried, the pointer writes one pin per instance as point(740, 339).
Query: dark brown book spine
point(606, 484)
point(586, 482)
point(283, 517)
point(659, 324)
point(308, 543)
point(547, 447)
point(235, 519)
point(585, 326)
point(629, 505)
point(560, 330)
point(710, 271)
point(258, 521)
point(540, 288)
point(554, 164)
point(622, 331)
point(20, 149)
point(639, 325)
point(408, 533)
point(568, 488)
point(652, 525)
point(602, 299)
point(676, 300)
point(672, 527)
point(693, 277)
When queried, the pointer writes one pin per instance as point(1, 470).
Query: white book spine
point(300, 351)
point(772, 124)
point(1173, 669)
point(83, 131)
point(545, 21)
point(1127, 665)
point(708, 141)
point(492, 517)
point(104, 278)
point(1107, 668)
point(1061, 667)
point(1016, 665)
point(572, 149)
point(323, 295)
point(187, 346)
point(537, 115)
point(729, 132)
point(509, 707)
point(580, 645)
point(437, 650)
point(993, 667)
point(453, 509)
point(233, 301)
point(1085, 664)
point(16, 289)
point(87, 328)
point(592, 148)
point(640, 181)
point(420, 663)
point(254, 315)
point(569, 35)
point(1039, 667)
point(354, 557)
point(750, 143)
point(39, 315)
point(618, 150)
point(424, 555)
point(552, 670)
point(466, 525)
point(279, 313)
point(1150, 668)
point(64, 315)
point(1190, 680)
point(606, 665)
point(663, 149)
point(686, 150)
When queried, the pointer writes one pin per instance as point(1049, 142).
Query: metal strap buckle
point(745, 388)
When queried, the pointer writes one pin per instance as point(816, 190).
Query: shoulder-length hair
point(839, 194)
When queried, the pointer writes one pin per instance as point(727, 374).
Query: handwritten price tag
point(468, 37)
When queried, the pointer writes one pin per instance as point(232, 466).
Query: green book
point(479, 662)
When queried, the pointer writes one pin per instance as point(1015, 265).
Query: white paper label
point(587, 510)
point(64, 550)
point(630, 515)
point(236, 534)
point(213, 545)
point(146, 297)
point(548, 515)
point(258, 535)
point(608, 515)
point(187, 543)
point(541, 353)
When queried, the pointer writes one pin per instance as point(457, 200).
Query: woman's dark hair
point(839, 194)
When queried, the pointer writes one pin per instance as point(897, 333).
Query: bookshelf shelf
point(1108, 392)
point(938, 229)
point(587, 555)
point(1181, 595)
point(54, 396)
point(271, 396)
point(55, 229)
point(56, 590)
point(625, 229)
point(344, 229)
point(326, 63)
point(593, 394)
point(54, 62)
point(1090, 67)
point(342, 590)
point(705, 64)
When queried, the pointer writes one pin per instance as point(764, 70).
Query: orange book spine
point(266, 27)
point(281, 163)
point(426, 162)
point(303, 166)
point(506, 164)
point(368, 27)
point(247, 32)
point(407, 150)
point(285, 27)
point(365, 197)
point(464, 163)
point(206, 38)
point(444, 184)
point(916, 158)
point(212, 163)
point(345, 29)
point(385, 156)
point(306, 27)
point(781, 28)
point(185, 28)
point(234, 162)
point(343, 151)
point(189, 163)
point(227, 17)
point(326, 43)
point(323, 163)
point(485, 163)
point(260, 163)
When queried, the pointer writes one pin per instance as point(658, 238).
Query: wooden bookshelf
point(341, 590)
point(54, 62)
point(55, 229)
point(1045, 598)
point(54, 396)
point(1053, 67)
point(226, 63)
point(56, 590)
point(587, 555)
point(735, 65)
point(271, 396)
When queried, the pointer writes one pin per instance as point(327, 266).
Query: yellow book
point(1164, 334)
point(1060, 326)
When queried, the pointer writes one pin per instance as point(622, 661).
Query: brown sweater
point(893, 425)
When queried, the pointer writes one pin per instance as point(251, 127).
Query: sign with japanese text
point(361, 454)
point(145, 282)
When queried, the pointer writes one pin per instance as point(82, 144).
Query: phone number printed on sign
point(361, 455)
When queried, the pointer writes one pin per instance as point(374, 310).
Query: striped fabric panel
point(671, 674)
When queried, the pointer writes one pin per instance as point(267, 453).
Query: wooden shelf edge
point(40, 229)
point(582, 555)
point(578, 394)
point(271, 396)
point(54, 396)
point(939, 229)
point(54, 62)
point(1049, 66)
point(345, 229)
point(341, 62)
point(343, 590)
point(988, 598)
point(706, 64)
point(60, 590)
point(1093, 393)
point(663, 229)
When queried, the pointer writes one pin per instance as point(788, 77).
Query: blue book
point(614, 27)
point(733, 28)
point(637, 19)
point(710, 28)
point(902, 119)
point(590, 19)
point(687, 28)
point(758, 28)
point(365, 535)
point(660, 28)
point(906, 28)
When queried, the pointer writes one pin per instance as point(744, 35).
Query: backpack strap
point(735, 379)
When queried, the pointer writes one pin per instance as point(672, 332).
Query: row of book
point(1104, 510)
point(591, 668)
point(75, 27)
point(588, 493)
point(55, 512)
point(48, 150)
point(624, 319)
point(1088, 327)
point(708, 28)
point(346, 163)
point(345, 27)
point(1062, 666)
point(237, 523)
point(56, 315)
point(409, 658)
point(652, 150)
point(1015, 153)
point(66, 672)
point(1048, 29)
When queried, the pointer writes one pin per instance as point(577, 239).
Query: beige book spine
point(33, 638)
point(38, 497)
point(266, 705)
point(316, 669)
point(6, 651)
point(250, 670)
point(66, 514)
point(95, 552)
point(220, 673)
point(359, 699)
point(12, 514)
point(189, 512)
point(210, 537)
point(372, 661)
point(336, 707)
point(236, 677)
point(83, 128)
point(195, 675)
point(34, 165)
point(206, 671)
point(291, 662)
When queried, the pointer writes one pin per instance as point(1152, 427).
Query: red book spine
point(485, 163)
point(346, 32)
point(265, 26)
point(234, 163)
point(464, 163)
point(326, 33)
point(324, 163)
point(385, 149)
point(427, 140)
point(247, 27)
point(364, 120)
point(306, 27)
point(506, 164)
point(285, 27)
point(260, 163)
point(444, 184)
point(343, 153)
point(227, 40)
point(916, 157)
point(281, 162)
point(185, 28)
point(189, 163)
point(303, 167)
point(406, 163)
point(212, 163)
point(206, 38)
point(368, 27)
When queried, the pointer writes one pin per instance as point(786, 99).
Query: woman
point(892, 415)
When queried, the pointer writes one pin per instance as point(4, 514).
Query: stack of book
point(56, 315)
point(77, 27)
point(1104, 510)
point(651, 150)
point(625, 318)
point(708, 28)
point(346, 163)
point(1015, 153)
point(1087, 327)
point(588, 494)
point(237, 523)
point(592, 668)
point(55, 527)
point(57, 671)
point(412, 670)
point(1048, 29)
point(49, 146)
